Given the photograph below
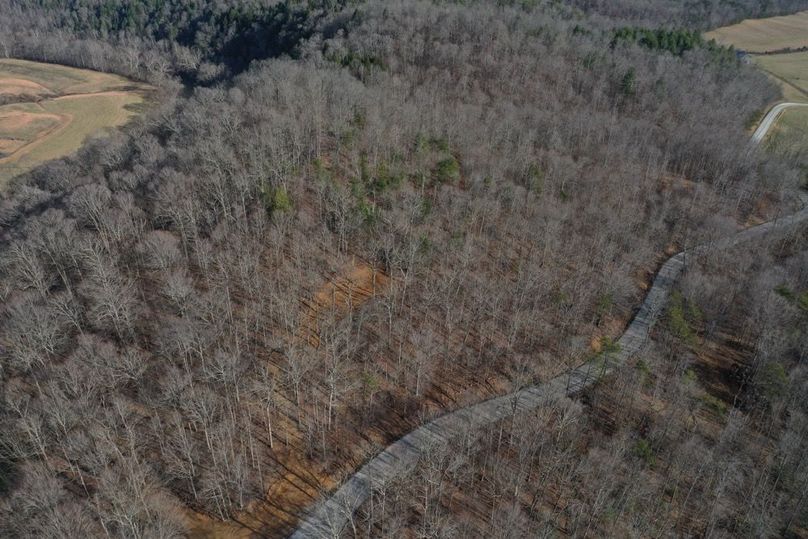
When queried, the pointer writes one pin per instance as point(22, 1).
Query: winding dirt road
point(329, 518)
point(768, 121)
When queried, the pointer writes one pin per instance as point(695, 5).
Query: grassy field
point(56, 79)
point(60, 108)
point(790, 69)
point(790, 135)
point(25, 122)
point(791, 72)
point(765, 35)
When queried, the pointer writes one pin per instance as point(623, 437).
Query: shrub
point(370, 383)
point(643, 450)
point(604, 304)
point(439, 144)
point(678, 314)
point(368, 211)
point(447, 170)
point(608, 346)
point(643, 368)
point(772, 380)
point(280, 200)
point(754, 119)
point(802, 301)
point(385, 179)
point(785, 292)
point(694, 314)
point(715, 404)
point(628, 84)
point(321, 170)
point(535, 179)
point(276, 199)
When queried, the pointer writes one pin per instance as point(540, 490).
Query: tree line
point(200, 42)
point(676, 42)
point(691, 14)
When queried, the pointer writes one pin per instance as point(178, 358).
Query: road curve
point(768, 121)
point(330, 517)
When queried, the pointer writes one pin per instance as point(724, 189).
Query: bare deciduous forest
point(703, 435)
point(339, 219)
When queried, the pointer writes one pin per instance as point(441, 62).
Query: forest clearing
point(47, 111)
point(765, 35)
point(790, 70)
point(775, 44)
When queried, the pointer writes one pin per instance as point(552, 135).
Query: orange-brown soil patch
point(762, 211)
point(9, 146)
point(26, 146)
point(16, 120)
point(292, 483)
point(287, 494)
point(19, 87)
point(47, 115)
point(674, 183)
point(353, 286)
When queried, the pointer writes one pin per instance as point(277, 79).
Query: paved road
point(329, 518)
point(768, 121)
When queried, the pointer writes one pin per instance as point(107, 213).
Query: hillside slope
point(211, 318)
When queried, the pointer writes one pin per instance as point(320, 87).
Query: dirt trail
point(64, 122)
point(25, 118)
point(20, 120)
point(40, 138)
point(20, 87)
point(352, 287)
point(355, 284)
point(110, 93)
